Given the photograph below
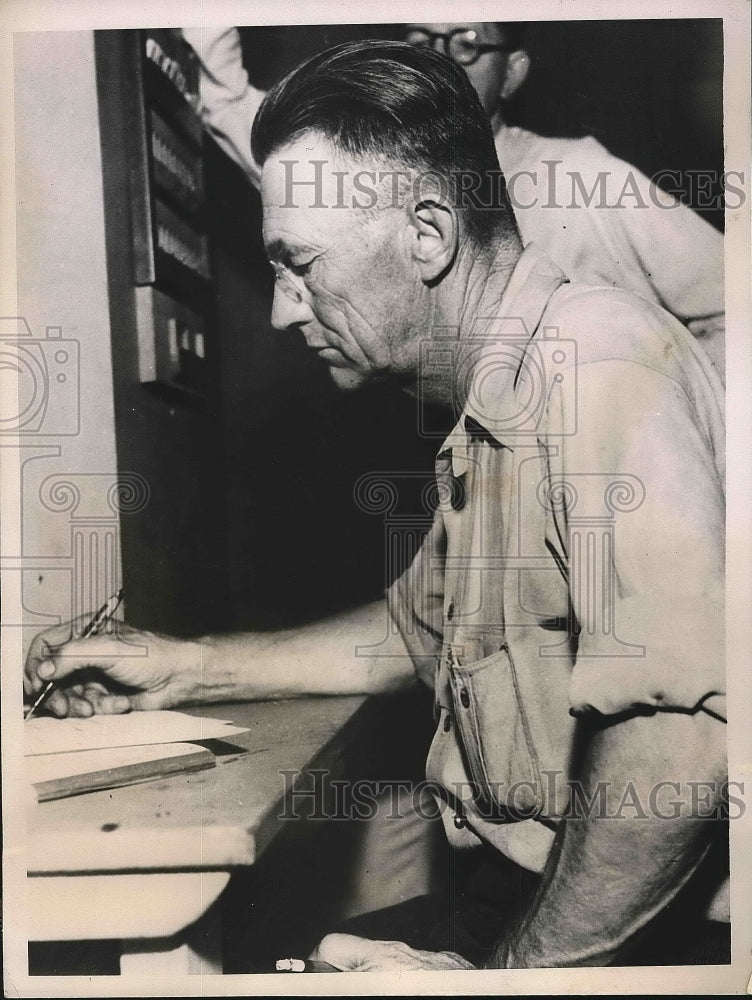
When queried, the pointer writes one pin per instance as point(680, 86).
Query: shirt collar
point(508, 328)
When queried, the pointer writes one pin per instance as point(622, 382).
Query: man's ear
point(433, 235)
point(518, 66)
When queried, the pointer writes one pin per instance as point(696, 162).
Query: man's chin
point(346, 379)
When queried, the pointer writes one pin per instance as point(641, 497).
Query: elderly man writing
point(566, 607)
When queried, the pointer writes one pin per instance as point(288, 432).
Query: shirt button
point(464, 698)
point(447, 723)
point(459, 821)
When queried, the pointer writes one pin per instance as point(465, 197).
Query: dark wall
point(650, 91)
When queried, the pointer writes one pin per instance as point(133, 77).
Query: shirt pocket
point(496, 738)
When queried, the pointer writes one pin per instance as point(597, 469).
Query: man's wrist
point(191, 683)
point(209, 670)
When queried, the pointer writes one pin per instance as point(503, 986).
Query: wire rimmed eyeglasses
point(460, 44)
point(287, 282)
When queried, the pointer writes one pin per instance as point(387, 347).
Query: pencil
point(94, 626)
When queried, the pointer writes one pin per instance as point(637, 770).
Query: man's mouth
point(332, 356)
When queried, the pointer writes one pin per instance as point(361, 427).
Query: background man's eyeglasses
point(460, 44)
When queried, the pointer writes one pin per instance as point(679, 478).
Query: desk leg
point(197, 950)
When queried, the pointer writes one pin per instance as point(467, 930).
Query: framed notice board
point(163, 143)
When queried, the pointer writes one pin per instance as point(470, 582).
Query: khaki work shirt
point(575, 562)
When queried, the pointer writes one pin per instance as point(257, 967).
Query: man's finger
point(79, 707)
point(99, 651)
point(345, 951)
point(53, 639)
point(104, 703)
point(83, 700)
point(92, 687)
point(40, 652)
point(57, 703)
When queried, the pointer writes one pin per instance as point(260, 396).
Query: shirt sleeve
point(644, 519)
point(228, 101)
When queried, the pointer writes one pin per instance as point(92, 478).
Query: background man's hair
point(395, 103)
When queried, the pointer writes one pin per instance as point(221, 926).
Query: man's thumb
point(345, 951)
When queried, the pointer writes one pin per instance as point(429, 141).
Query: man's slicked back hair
point(392, 102)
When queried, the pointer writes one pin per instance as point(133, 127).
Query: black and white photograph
point(376, 547)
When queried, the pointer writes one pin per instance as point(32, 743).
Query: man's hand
point(356, 954)
point(110, 673)
point(123, 669)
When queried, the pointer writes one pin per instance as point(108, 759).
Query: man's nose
point(287, 312)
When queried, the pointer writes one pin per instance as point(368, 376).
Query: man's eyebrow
point(280, 249)
point(276, 248)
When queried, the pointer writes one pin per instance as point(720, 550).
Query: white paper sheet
point(47, 735)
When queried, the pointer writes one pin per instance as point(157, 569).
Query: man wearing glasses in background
point(606, 224)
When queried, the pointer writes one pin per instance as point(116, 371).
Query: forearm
point(612, 871)
point(321, 658)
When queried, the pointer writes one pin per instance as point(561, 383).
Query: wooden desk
point(145, 862)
